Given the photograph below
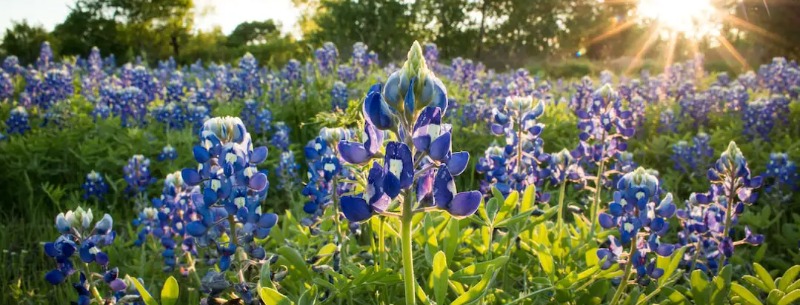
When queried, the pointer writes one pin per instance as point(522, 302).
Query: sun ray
point(613, 31)
point(733, 52)
point(743, 24)
point(651, 39)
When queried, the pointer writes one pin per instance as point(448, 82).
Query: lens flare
point(695, 19)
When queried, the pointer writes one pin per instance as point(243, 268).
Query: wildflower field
point(346, 180)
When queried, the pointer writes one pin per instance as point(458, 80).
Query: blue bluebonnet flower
point(694, 158)
point(249, 112)
point(411, 105)
point(94, 186)
point(339, 96)
point(175, 87)
point(523, 153)
point(6, 86)
point(287, 171)
point(249, 75)
point(292, 72)
point(667, 122)
point(130, 105)
point(780, 76)
point(782, 177)
point(605, 126)
point(362, 58)
point(11, 65)
point(17, 122)
point(347, 73)
point(641, 219)
point(168, 217)
point(623, 164)
point(464, 71)
point(47, 88)
point(167, 153)
point(137, 175)
point(45, 59)
point(326, 58)
point(263, 122)
point(280, 138)
point(78, 235)
point(232, 187)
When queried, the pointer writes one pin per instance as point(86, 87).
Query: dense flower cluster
point(94, 186)
point(782, 177)
point(339, 96)
point(605, 126)
point(280, 138)
point(17, 122)
point(641, 219)
point(694, 158)
point(327, 58)
point(231, 187)
point(137, 175)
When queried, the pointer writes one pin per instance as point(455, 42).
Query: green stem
point(562, 194)
point(624, 283)
point(408, 261)
point(382, 242)
point(596, 203)
point(696, 254)
point(92, 290)
point(341, 237)
point(728, 216)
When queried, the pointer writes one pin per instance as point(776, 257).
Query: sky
point(224, 13)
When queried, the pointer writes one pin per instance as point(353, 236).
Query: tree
point(24, 41)
point(81, 31)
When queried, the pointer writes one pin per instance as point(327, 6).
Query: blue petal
point(201, 154)
point(441, 147)
point(458, 163)
point(353, 153)
point(258, 182)
point(465, 204)
point(50, 249)
point(268, 220)
point(196, 228)
point(444, 188)
point(258, 155)
point(355, 209)
point(606, 221)
point(377, 111)
point(55, 277)
point(190, 176)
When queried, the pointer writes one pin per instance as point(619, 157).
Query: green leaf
point(764, 276)
point(745, 294)
point(146, 297)
point(756, 282)
point(591, 257)
point(788, 277)
point(265, 276)
point(273, 297)
point(527, 198)
point(674, 296)
point(476, 291)
point(670, 267)
point(297, 265)
point(440, 277)
point(307, 298)
point(701, 292)
point(478, 268)
point(169, 294)
point(722, 286)
point(508, 205)
point(452, 238)
point(775, 296)
point(789, 298)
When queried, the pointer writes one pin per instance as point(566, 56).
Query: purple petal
point(355, 209)
point(191, 177)
point(196, 228)
point(465, 204)
point(118, 285)
point(458, 163)
point(258, 155)
point(200, 154)
point(268, 220)
point(55, 277)
point(441, 147)
point(353, 153)
point(258, 182)
point(444, 188)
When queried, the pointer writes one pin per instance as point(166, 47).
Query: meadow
point(346, 180)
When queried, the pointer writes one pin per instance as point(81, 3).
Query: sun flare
point(693, 18)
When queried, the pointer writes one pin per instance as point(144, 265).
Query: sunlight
point(695, 19)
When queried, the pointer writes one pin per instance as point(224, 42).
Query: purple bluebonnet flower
point(326, 58)
point(782, 178)
point(263, 122)
point(167, 153)
point(605, 126)
point(6, 86)
point(94, 186)
point(249, 113)
point(280, 138)
point(523, 153)
point(362, 58)
point(339, 96)
point(250, 76)
point(347, 73)
point(45, 60)
point(287, 171)
point(641, 219)
point(695, 158)
point(232, 188)
point(667, 123)
point(411, 105)
point(167, 219)
point(17, 122)
point(137, 175)
point(78, 236)
point(11, 65)
point(292, 72)
point(708, 218)
point(130, 104)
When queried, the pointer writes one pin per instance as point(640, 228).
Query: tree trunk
point(482, 31)
point(175, 46)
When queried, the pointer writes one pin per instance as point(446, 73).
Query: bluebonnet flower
point(49, 87)
point(249, 112)
point(280, 138)
point(6, 86)
point(695, 158)
point(362, 58)
point(516, 120)
point(232, 187)
point(287, 171)
point(130, 105)
point(326, 58)
point(78, 235)
point(347, 74)
point(167, 153)
point(168, 217)
point(411, 105)
point(604, 126)
point(17, 122)
point(780, 76)
point(45, 59)
point(292, 72)
point(339, 96)
point(249, 75)
point(137, 175)
point(263, 123)
point(641, 219)
point(667, 122)
point(11, 65)
point(732, 189)
point(782, 178)
point(431, 53)
point(94, 186)
point(324, 165)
